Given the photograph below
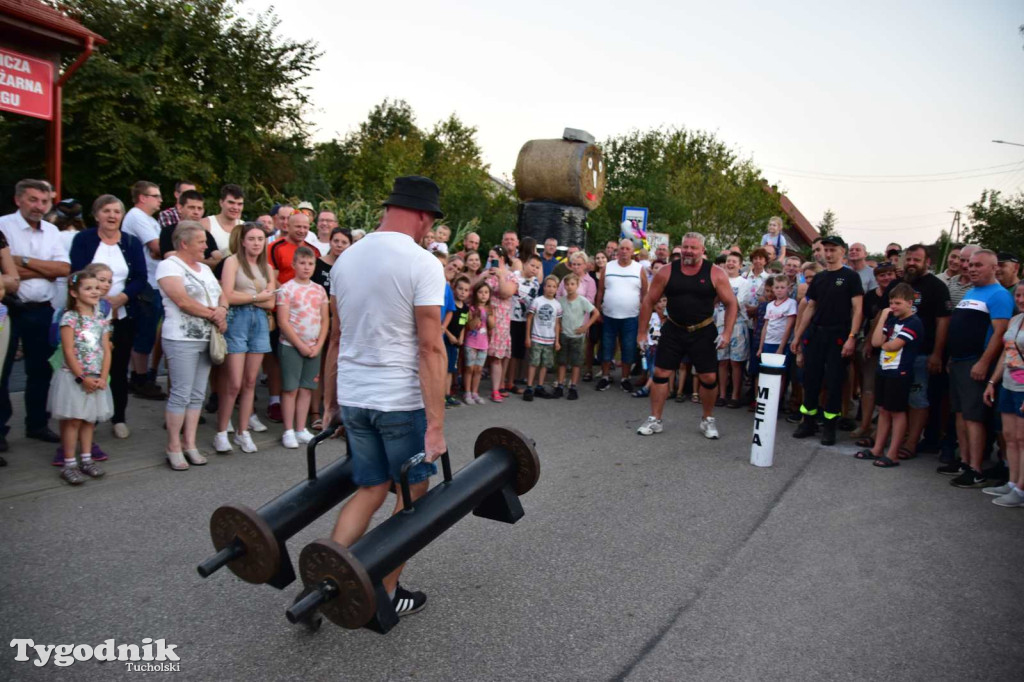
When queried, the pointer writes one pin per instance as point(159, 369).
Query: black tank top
point(691, 298)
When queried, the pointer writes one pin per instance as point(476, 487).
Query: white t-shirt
point(180, 326)
point(775, 319)
point(323, 247)
point(546, 314)
point(144, 228)
point(221, 237)
point(378, 282)
point(622, 290)
point(111, 256)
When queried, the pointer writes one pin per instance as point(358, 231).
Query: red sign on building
point(26, 84)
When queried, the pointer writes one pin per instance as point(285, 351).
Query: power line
point(898, 182)
point(843, 226)
point(894, 218)
point(909, 175)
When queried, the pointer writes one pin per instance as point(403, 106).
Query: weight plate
point(522, 448)
point(262, 555)
point(355, 603)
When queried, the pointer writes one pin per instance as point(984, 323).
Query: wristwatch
point(24, 261)
point(79, 380)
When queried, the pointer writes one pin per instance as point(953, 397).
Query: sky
point(884, 112)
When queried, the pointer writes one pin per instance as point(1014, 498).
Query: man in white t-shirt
point(619, 294)
point(392, 362)
point(325, 224)
point(140, 223)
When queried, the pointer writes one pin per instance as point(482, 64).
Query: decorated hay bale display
point(558, 182)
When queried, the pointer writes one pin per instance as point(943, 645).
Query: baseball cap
point(1007, 257)
point(833, 239)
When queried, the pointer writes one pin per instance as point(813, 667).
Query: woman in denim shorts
point(249, 285)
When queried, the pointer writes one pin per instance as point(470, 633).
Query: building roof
point(801, 224)
point(39, 21)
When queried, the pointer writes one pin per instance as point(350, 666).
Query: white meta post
point(766, 409)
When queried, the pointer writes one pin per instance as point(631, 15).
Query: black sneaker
point(627, 385)
point(970, 479)
point(406, 602)
point(212, 404)
point(558, 392)
point(528, 394)
point(953, 469)
point(541, 392)
point(603, 383)
point(998, 474)
point(573, 395)
point(794, 418)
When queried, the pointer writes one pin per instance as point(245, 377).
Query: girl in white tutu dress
point(79, 395)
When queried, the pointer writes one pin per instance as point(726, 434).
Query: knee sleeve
point(659, 380)
point(713, 384)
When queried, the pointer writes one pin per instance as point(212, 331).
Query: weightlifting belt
point(692, 327)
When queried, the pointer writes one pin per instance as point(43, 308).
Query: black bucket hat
point(417, 193)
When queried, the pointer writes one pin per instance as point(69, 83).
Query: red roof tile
point(42, 15)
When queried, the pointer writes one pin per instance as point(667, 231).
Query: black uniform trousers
point(824, 364)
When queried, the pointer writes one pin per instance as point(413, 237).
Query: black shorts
point(517, 330)
point(893, 392)
point(594, 333)
point(676, 344)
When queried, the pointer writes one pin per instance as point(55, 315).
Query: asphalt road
point(661, 558)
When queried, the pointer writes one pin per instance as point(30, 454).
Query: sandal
point(176, 460)
point(695, 398)
point(642, 393)
point(318, 421)
point(866, 454)
point(905, 453)
point(588, 376)
point(680, 397)
point(885, 463)
point(865, 442)
point(720, 402)
point(732, 403)
point(195, 457)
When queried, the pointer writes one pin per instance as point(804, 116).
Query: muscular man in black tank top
point(691, 286)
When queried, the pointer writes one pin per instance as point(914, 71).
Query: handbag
point(218, 344)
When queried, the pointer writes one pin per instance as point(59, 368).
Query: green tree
point(827, 226)
point(690, 181)
point(996, 223)
point(184, 89)
point(360, 168)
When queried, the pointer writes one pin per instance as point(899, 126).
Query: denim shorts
point(248, 330)
point(381, 442)
point(475, 358)
point(453, 357)
point(150, 312)
point(624, 330)
point(1010, 402)
point(919, 384)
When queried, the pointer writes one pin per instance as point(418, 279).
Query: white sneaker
point(650, 427)
point(1014, 498)
point(707, 425)
point(256, 425)
point(221, 443)
point(304, 436)
point(289, 440)
point(121, 430)
point(231, 427)
point(243, 440)
point(998, 491)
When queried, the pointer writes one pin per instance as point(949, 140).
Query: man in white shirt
point(325, 224)
point(392, 362)
point(40, 258)
point(140, 223)
point(857, 258)
point(619, 294)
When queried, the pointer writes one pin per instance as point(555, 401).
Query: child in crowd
point(775, 237)
point(79, 396)
point(898, 334)
point(543, 329)
point(577, 315)
point(301, 310)
point(651, 349)
point(779, 320)
point(529, 287)
point(475, 344)
point(454, 334)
